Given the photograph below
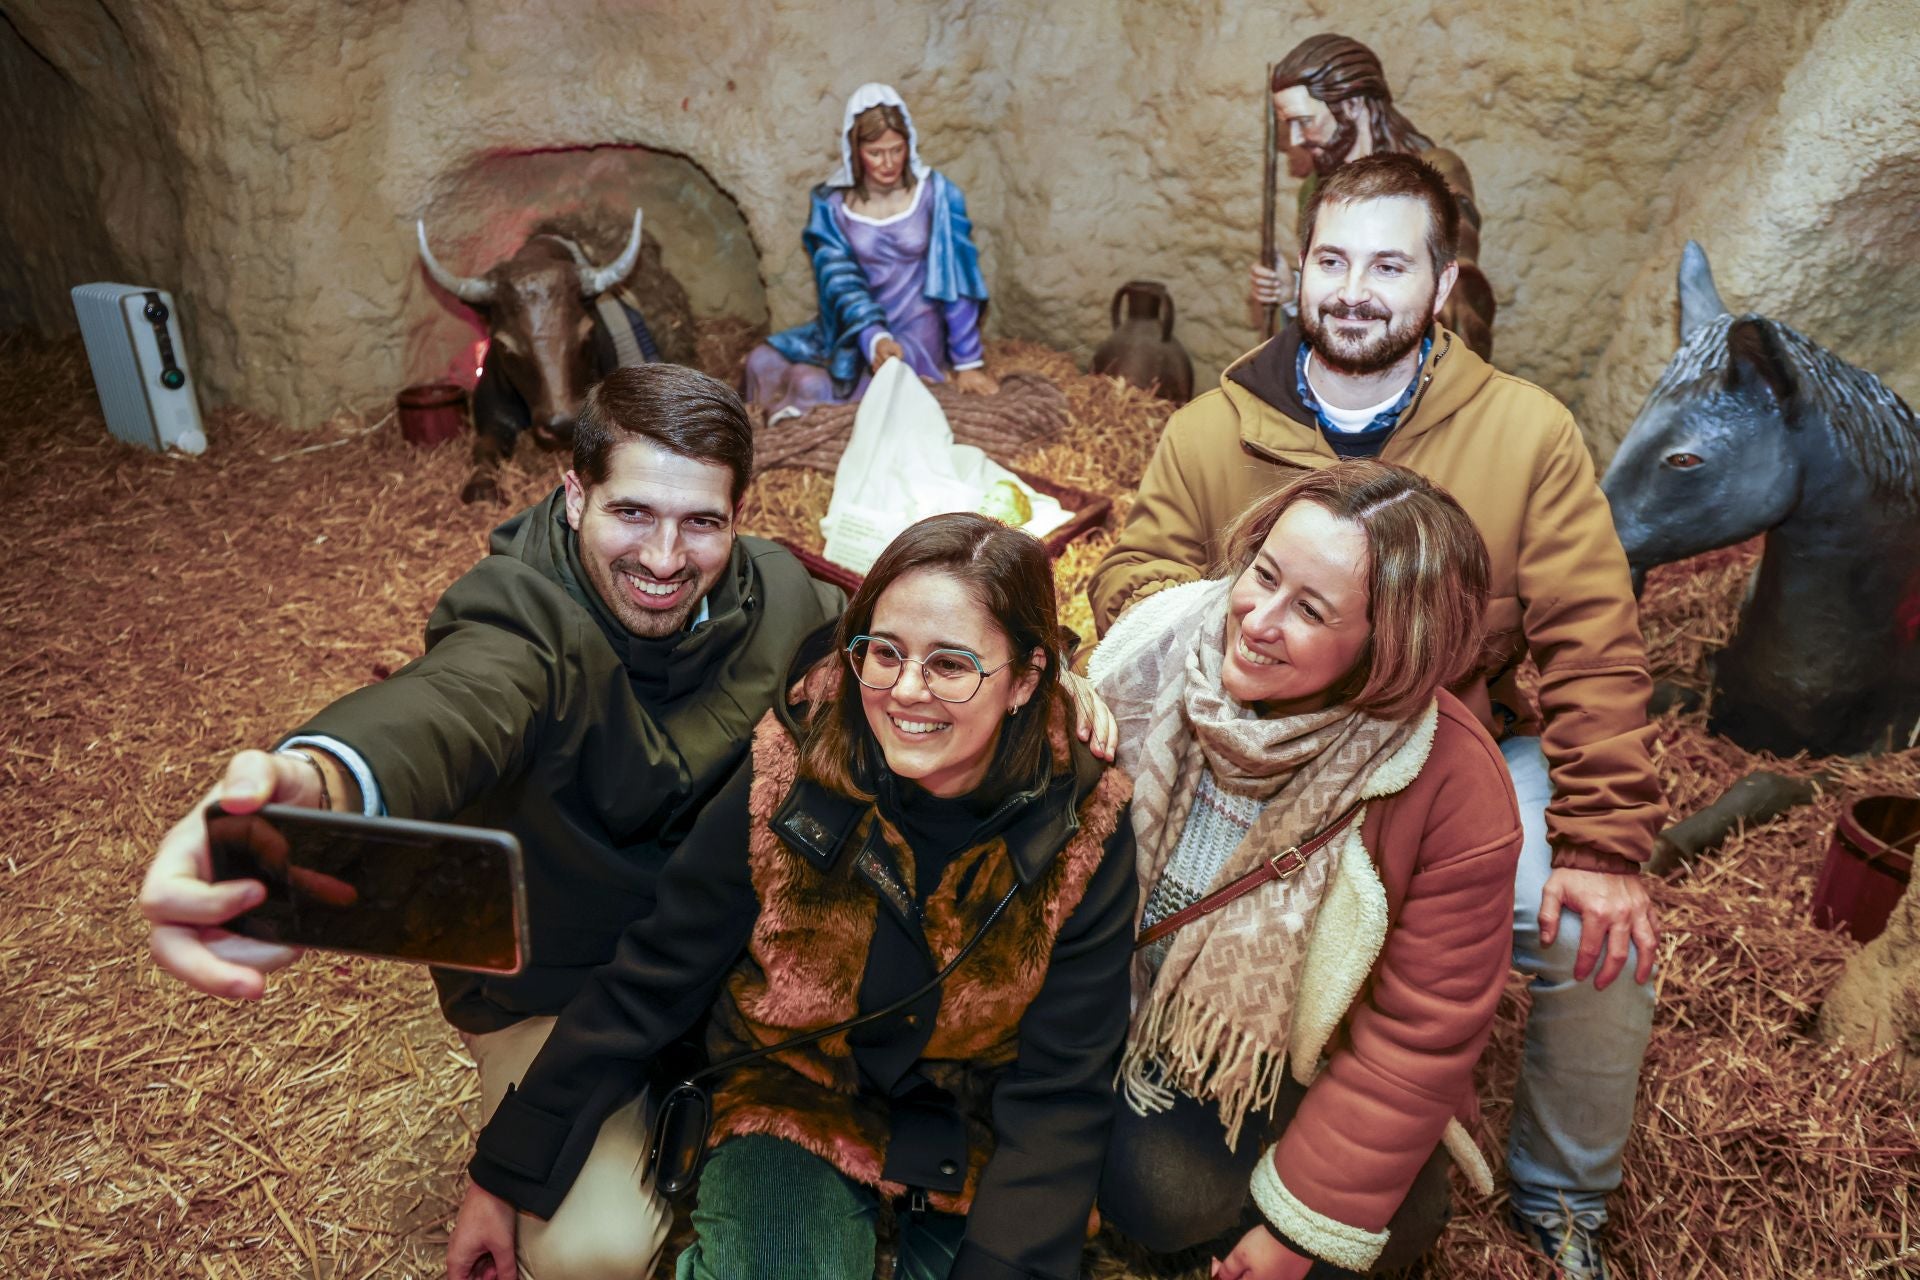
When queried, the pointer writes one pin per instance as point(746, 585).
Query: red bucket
point(1869, 861)
point(432, 413)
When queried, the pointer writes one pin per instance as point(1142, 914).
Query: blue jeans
point(1573, 1108)
point(769, 1209)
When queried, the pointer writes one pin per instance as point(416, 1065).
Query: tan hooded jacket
point(1512, 456)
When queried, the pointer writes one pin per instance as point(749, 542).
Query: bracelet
point(319, 771)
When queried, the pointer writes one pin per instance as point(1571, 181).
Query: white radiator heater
point(139, 365)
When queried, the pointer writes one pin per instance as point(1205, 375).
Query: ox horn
point(597, 280)
point(474, 290)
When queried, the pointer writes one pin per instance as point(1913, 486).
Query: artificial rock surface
point(265, 160)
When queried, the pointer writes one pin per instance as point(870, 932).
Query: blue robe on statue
point(851, 307)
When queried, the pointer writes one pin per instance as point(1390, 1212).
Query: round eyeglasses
point(951, 675)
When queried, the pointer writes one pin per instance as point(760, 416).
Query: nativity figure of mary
point(896, 269)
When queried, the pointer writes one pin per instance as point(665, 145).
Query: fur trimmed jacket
point(790, 907)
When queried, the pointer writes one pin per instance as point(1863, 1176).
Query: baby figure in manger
point(896, 268)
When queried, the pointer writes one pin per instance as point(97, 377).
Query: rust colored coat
point(1512, 456)
point(1407, 961)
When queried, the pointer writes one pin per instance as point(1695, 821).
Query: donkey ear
point(1699, 300)
point(1756, 358)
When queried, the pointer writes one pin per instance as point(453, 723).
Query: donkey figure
point(1752, 428)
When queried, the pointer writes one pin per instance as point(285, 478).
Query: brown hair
point(1337, 69)
point(867, 126)
point(1386, 175)
point(1007, 571)
point(680, 409)
point(1427, 578)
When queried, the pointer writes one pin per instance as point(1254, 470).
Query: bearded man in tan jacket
point(1368, 372)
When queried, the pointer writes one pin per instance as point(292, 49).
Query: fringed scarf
point(1213, 1021)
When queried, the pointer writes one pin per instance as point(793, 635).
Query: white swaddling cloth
point(902, 465)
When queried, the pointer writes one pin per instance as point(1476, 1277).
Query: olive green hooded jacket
point(535, 711)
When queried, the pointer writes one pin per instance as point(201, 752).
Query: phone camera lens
point(173, 379)
point(156, 312)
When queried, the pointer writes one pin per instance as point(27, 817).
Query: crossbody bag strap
point(801, 1041)
point(1278, 867)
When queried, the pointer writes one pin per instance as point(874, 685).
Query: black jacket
point(1050, 1108)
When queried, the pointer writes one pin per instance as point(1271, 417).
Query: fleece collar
point(1351, 928)
point(1348, 936)
point(820, 824)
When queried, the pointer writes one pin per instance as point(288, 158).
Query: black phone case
point(300, 915)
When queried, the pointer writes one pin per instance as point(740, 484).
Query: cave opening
point(481, 212)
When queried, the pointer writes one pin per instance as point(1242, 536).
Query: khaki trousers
point(613, 1224)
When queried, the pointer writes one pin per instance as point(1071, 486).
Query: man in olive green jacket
point(1367, 372)
point(588, 686)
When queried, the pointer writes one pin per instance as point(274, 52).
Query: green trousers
point(768, 1209)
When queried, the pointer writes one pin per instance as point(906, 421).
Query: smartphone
point(391, 888)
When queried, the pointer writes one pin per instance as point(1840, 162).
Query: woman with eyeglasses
point(922, 796)
point(1327, 841)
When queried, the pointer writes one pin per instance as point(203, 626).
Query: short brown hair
point(680, 409)
point(1386, 175)
point(1427, 578)
point(867, 126)
point(1007, 571)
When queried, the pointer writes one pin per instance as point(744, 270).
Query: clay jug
point(1142, 348)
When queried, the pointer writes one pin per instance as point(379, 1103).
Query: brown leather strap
point(1278, 867)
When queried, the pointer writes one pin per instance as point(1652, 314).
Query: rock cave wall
point(266, 161)
point(93, 184)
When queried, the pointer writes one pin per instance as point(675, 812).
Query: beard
point(648, 624)
point(1330, 155)
point(1359, 357)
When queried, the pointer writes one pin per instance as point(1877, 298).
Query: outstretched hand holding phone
point(185, 909)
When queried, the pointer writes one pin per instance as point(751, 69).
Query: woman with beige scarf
point(1301, 1051)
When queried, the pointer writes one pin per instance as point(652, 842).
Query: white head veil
point(864, 98)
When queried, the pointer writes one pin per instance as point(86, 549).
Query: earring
point(1013, 709)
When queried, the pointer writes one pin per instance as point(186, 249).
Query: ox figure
point(1752, 428)
point(555, 326)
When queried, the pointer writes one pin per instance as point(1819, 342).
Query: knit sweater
point(1217, 824)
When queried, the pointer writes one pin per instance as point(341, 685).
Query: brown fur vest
point(807, 957)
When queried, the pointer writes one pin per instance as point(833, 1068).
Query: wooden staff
point(1268, 311)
